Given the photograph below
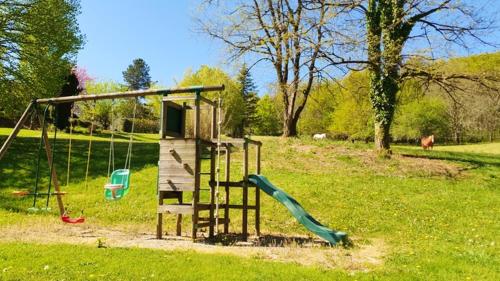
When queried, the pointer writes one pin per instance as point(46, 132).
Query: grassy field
point(435, 211)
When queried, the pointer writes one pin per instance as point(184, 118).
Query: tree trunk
point(290, 127)
point(382, 137)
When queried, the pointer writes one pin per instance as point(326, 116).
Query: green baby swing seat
point(118, 185)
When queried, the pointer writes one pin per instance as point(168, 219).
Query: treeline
point(39, 40)
point(239, 102)
point(341, 109)
point(467, 112)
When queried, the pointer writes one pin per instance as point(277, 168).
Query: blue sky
point(162, 33)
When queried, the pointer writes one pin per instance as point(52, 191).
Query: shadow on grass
point(18, 167)
point(475, 159)
point(269, 240)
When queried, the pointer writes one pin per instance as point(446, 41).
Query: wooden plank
point(177, 142)
point(257, 192)
point(185, 209)
point(227, 175)
point(173, 164)
point(177, 171)
point(181, 159)
point(208, 101)
point(197, 167)
point(166, 147)
point(178, 229)
point(213, 127)
point(159, 218)
point(167, 178)
point(55, 181)
point(237, 207)
point(245, 193)
point(178, 155)
point(232, 183)
point(176, 187)
point(180, 150)
point(178, 98)
point(212, 192)
point(239, 141)
point(16, 129)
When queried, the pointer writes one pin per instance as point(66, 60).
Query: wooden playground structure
point(179, 166)
point(180, 169)
point(190, 126)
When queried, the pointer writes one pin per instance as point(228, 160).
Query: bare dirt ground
point(301, 251)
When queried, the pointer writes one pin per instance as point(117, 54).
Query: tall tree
point(39, 40)
point(232, 101)
point(296, 37)
point(250, 98)
point(137, 76)
point(390, 26)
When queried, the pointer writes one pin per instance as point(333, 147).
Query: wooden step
point(186, 209)
point(209, 223)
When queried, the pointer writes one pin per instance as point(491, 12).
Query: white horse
point(319, 136)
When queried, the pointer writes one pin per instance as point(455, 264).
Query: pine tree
point(250, 97)
point(137, 75)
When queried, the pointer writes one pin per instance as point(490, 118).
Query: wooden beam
point(227, 176)
point(232, 183)
point(213, 127)
point(208, 101)
point(16, 129)
point(245, 193)
point(238, 207)
point(212, 191)
point(257, 192)
point(197, 166)
point(55, 181)
point(130, 94)
point(159, 217)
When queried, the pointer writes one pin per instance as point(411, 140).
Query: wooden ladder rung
point(207, 223)
point(26, 193)
point(176, 209)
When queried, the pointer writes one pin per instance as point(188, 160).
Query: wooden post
point(179, 216)
point(48, 151)
point(163, 116)
point(214, 123)
point(227, 179)
point(245, 192)
point(159, 217)
point(212, 193)
point(197, 168)
point(16, 130)
point(257, 191)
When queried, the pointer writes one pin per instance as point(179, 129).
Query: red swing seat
point(67, 219)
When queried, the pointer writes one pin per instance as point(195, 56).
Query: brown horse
point(427, 142)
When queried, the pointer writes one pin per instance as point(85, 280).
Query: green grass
point(483, 148)
point(491, 148)
point(439, 222)
point(58, 262)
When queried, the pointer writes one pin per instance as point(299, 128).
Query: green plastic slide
point(297, 211)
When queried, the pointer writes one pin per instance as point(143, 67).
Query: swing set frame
point(33, 108)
